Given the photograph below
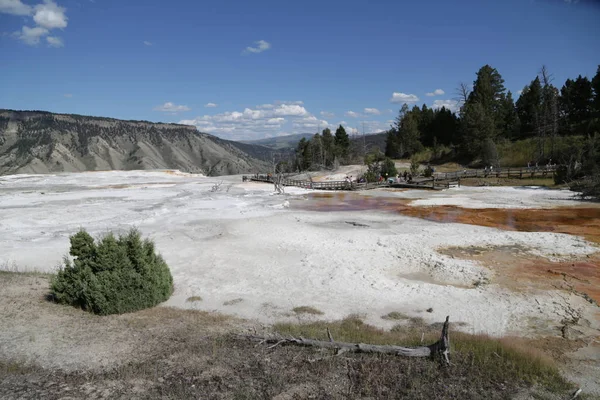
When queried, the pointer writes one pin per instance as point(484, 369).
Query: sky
point(254, 69)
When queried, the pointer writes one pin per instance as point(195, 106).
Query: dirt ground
point(51, 351)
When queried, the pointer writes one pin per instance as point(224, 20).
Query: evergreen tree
point(529, 109)
point(482, 114)
point(391, 144)
point(304, 154)
point(576, 103)
point(328, 146)
point(426, 117)
point(342, 141)
point(477, 125)
point(512, 124)
point(408, 136)
point(444, 127)
point(318, 156)
point(595, 125)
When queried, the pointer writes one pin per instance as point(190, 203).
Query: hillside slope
point(43, 142)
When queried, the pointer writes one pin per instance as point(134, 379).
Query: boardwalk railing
point(525, 172)
point(328, 185)
point(439, 180)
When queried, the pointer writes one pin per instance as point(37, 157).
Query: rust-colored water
point(581, 221)
point(517, 268)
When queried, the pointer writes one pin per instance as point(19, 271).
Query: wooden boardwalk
point(439, 180)
point(329, 185)
point(524, 172)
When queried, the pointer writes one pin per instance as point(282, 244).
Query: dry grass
point(233, 302)
point(481, 357)
point(171, 353)
point(395, 316)
point(307, 310)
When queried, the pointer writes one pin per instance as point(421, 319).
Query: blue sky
point(254, 69)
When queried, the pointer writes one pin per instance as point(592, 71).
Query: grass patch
point(520, 152)
point(11, 268)
point(193, 299)
point(479, 357)
point(395, 316)
point(233, 302)
point(307, 310)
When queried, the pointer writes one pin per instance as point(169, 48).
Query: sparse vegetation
point(193, 299)
point(113, 276)
point(307, 310)
point(484, 360)
point(192, 356)
point(232, 302)
point(395, 316)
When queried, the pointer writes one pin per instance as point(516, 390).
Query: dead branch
point(441, 347)
point(216, 187)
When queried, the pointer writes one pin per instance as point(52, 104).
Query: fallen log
point(441, 347)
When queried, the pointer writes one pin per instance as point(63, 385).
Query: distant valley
point(290, 142)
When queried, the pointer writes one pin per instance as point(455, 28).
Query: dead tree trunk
point(278, 182)
point(441, 347)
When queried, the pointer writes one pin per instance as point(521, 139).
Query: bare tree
point(549, 108)
point(462, 94)
point(278, 179)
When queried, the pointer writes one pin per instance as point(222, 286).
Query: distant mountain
point(43, 142)
point(290, 142)
point(281, 142)
point(371, 141)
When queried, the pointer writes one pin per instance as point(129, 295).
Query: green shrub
point(113, 276)
point(388, 168)
point(415, 164)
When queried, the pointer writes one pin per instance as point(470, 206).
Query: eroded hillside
point(42, 142)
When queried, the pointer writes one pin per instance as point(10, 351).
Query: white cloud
point(55, 41)
point(211, 105)
point(47, 15)
point(452, 105)
point(147, 43)
point(50, 15)
point(31, 36)
point(276, 119)
point(436, 92)
point(259, 122)
point(399, 97)
point(326, 114)
point(14, 7)
point(351, 131)
point(310, 122)
point(290, 110)
point(372, 111)
point(170, 107)
point(68, 95)
point(260, 46)
point(520, 92)
point(352, 114)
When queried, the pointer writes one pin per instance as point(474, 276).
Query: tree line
point(489, 115)
point(324, 150)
